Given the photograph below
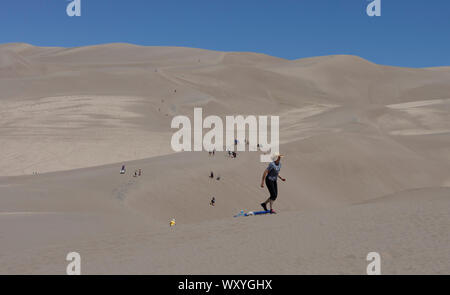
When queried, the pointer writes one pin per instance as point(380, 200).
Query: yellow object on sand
point(172, 222)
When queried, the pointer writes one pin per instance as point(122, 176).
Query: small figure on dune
point(135, 173)
point(122, 170)
point(140, 172)
point(211, 175)
point(213, 201)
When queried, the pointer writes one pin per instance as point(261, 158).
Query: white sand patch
point(422, 117)
point(415, 104)
point(419, 132)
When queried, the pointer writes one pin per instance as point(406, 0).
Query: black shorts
point(273, 188)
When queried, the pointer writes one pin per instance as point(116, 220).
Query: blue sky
point(414, 33)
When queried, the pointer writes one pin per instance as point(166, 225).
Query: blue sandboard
point(261, 212)
point(253, 213)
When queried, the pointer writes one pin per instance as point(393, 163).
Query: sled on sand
point(251, 213)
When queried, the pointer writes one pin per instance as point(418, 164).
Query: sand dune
point(367, 163)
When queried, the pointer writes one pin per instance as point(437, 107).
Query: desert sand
point(367, 163)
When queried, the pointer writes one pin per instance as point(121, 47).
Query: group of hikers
point(137, 172)
point(270, 176)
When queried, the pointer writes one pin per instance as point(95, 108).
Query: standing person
point(270, 176)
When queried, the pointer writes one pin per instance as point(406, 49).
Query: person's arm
point(283, 179)
point(264, 177)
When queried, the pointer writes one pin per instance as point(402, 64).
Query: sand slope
point(367, 163)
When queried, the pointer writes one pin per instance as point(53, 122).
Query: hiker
point(140, 172)
point(135, 173)
point(211, 175)
point(213, 201)
point(270, 176)
point(122, 170)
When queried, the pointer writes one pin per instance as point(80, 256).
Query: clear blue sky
point(413, 33)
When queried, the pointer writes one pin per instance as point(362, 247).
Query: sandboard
point(251, 213)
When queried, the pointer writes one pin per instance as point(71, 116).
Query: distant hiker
point(140, 172)
point(213, 201)
point(270, 176)
point(235, 142)
point(122, 170)
point(135, 173)
point(211, 175)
